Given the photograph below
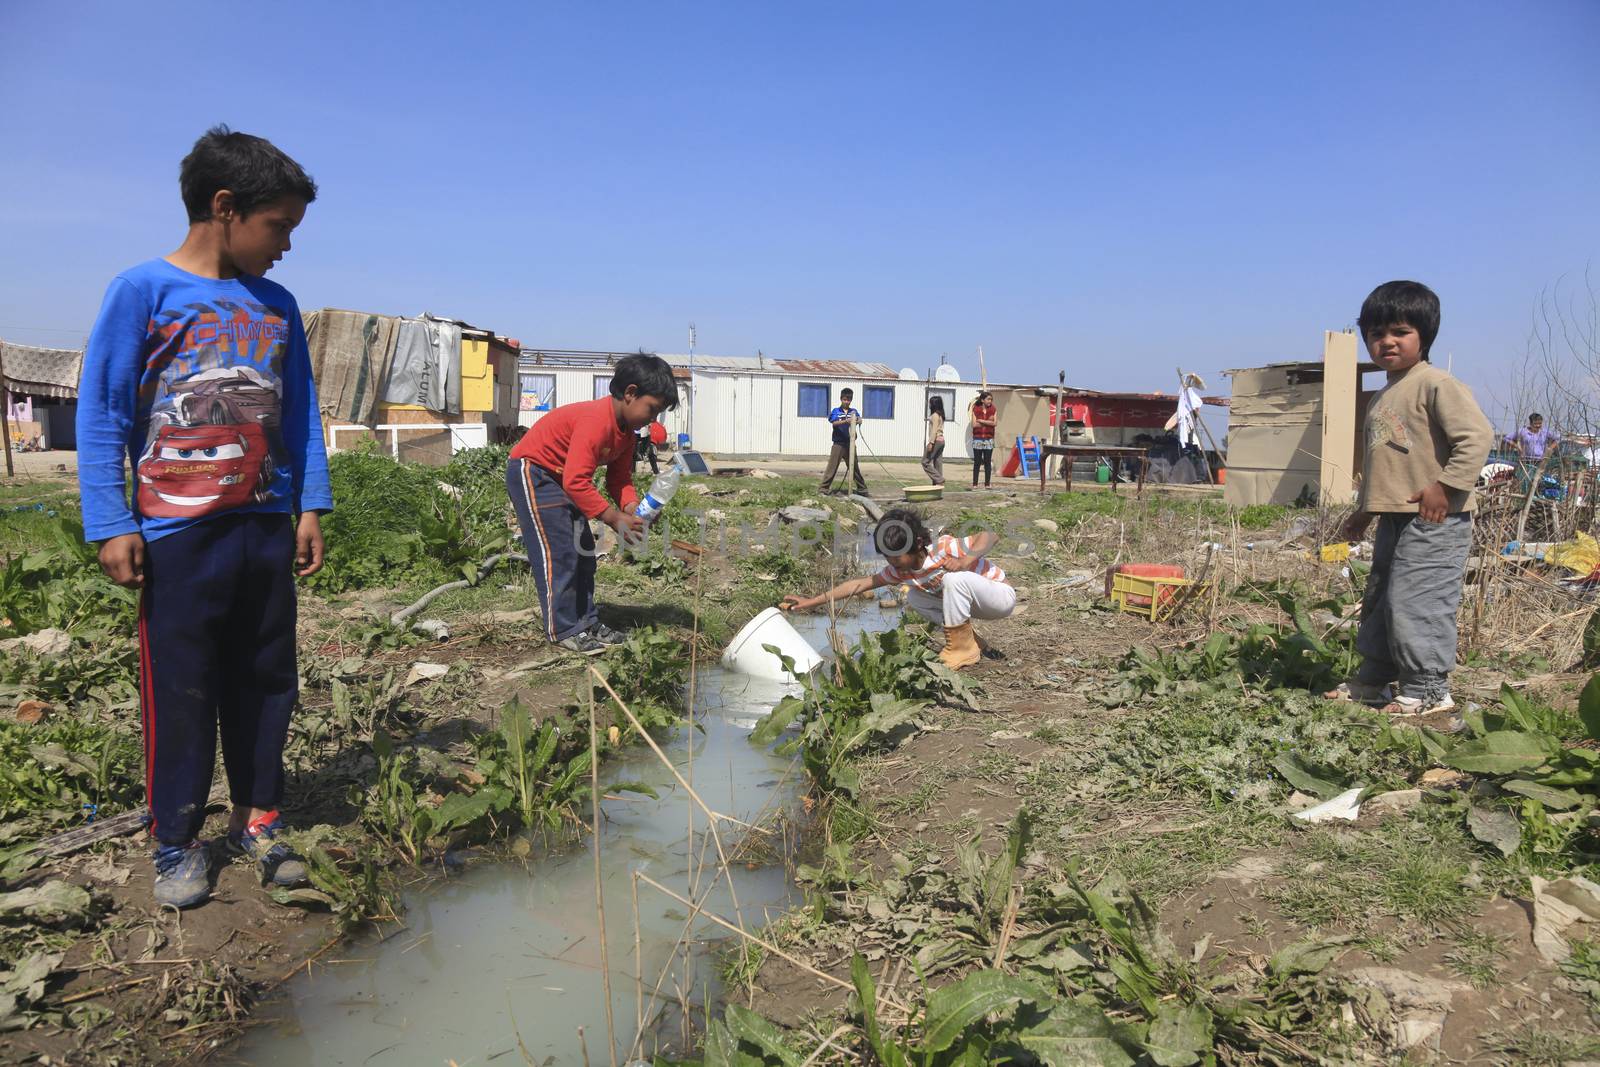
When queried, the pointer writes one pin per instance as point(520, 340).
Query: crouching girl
point(951, 582)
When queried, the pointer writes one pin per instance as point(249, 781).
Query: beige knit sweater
point(1423, 427)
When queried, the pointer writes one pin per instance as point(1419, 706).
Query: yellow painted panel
point(477, 380)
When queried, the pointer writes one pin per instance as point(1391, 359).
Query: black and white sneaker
point(606, 635)
point(585, 643)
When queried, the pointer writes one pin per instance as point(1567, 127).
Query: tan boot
point(960, 647)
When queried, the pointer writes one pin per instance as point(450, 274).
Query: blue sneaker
point(181, 875)
point(279, 863)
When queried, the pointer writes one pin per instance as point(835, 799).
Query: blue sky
point(1109, 189)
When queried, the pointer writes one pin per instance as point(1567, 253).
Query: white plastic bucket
point(745, 654)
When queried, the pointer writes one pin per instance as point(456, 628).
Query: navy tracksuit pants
point(560, 548)
point(216, 649)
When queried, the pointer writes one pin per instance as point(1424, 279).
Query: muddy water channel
point(514, 949)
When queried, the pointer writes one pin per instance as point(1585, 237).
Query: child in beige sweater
point(1426, 442)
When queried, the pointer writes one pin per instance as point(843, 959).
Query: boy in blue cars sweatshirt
point(197, 374)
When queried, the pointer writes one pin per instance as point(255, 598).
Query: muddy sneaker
point(586, 644)
point(181, 875)
point(606, 635)
point(1374, 696)
point(279, 863)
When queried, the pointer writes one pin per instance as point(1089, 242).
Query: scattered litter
point(1557, 906)
point(50, 642)
point(53, 903)
point(437, 629)
point(1046, 524)
point(1495, 826)
point(1345, 807)
point(103, 869)
point(796, 513)
point(425, 672)
point(1410, 1009)
point(1007, 735)
point(1581, 555)
point(764, 474)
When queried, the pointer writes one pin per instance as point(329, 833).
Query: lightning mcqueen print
point(191, 471)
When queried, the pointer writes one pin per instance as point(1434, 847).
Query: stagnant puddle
point(513, 949)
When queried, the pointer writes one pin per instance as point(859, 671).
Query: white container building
point(761, 406)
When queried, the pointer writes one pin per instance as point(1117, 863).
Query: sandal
point(1362, 693)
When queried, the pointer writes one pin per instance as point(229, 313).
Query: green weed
point(61, 586)
point(1478, 957)
point(884, 684)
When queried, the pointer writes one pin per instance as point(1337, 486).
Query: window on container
point(813, 400)
point(877, 402)
point(538, 392)
point(602, 385)
point(951, 415)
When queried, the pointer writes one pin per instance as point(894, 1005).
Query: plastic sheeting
point(426, 369)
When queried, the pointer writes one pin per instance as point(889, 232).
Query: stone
point(1394, 802)
point(41, 643)
point(1299, 801)
point(796, 513)
point(765, 475)
point(698, 488)
point(1444, 778)
point(1249, 869)
point(1049, 525)
point(31, 712)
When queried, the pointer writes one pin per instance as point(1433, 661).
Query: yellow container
point(1153, 598)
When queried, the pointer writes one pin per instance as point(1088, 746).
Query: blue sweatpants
point(560, 549)
point(216, 649)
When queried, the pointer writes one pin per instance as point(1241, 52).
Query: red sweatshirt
point(575, 439)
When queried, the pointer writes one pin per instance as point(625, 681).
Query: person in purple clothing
point(1532, 441)
point(197, 373)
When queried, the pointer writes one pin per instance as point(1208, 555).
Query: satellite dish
point(944, 372)
point(909, 375)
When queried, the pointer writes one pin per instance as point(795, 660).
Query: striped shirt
point(930, 576)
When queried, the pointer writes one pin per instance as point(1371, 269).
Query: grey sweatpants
point(1408, 614)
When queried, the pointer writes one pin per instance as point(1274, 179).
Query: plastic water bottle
point(660, 493)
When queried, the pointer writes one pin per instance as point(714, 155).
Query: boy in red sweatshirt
point(551, 481)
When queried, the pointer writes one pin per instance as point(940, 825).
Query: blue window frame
point(877, 402)
point(813, 400)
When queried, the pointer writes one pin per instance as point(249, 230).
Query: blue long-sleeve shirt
point(205, 385)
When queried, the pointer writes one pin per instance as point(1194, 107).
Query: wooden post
point(5, 417)
point(1060, 435)
point(850, 480)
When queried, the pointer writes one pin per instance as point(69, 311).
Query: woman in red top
point(983, 420)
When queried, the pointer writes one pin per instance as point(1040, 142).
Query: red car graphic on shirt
point(191, 471)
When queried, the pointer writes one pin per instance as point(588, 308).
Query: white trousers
point(966, 596)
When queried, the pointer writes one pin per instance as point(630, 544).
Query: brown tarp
point(350, 356)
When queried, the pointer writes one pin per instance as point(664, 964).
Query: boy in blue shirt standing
point(843, 418)
point(197, 373)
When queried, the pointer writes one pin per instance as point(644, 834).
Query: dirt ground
point(1232, 885)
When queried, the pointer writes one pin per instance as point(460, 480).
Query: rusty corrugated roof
point(837, 368)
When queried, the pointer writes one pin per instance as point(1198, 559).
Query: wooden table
point(1106, 451)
